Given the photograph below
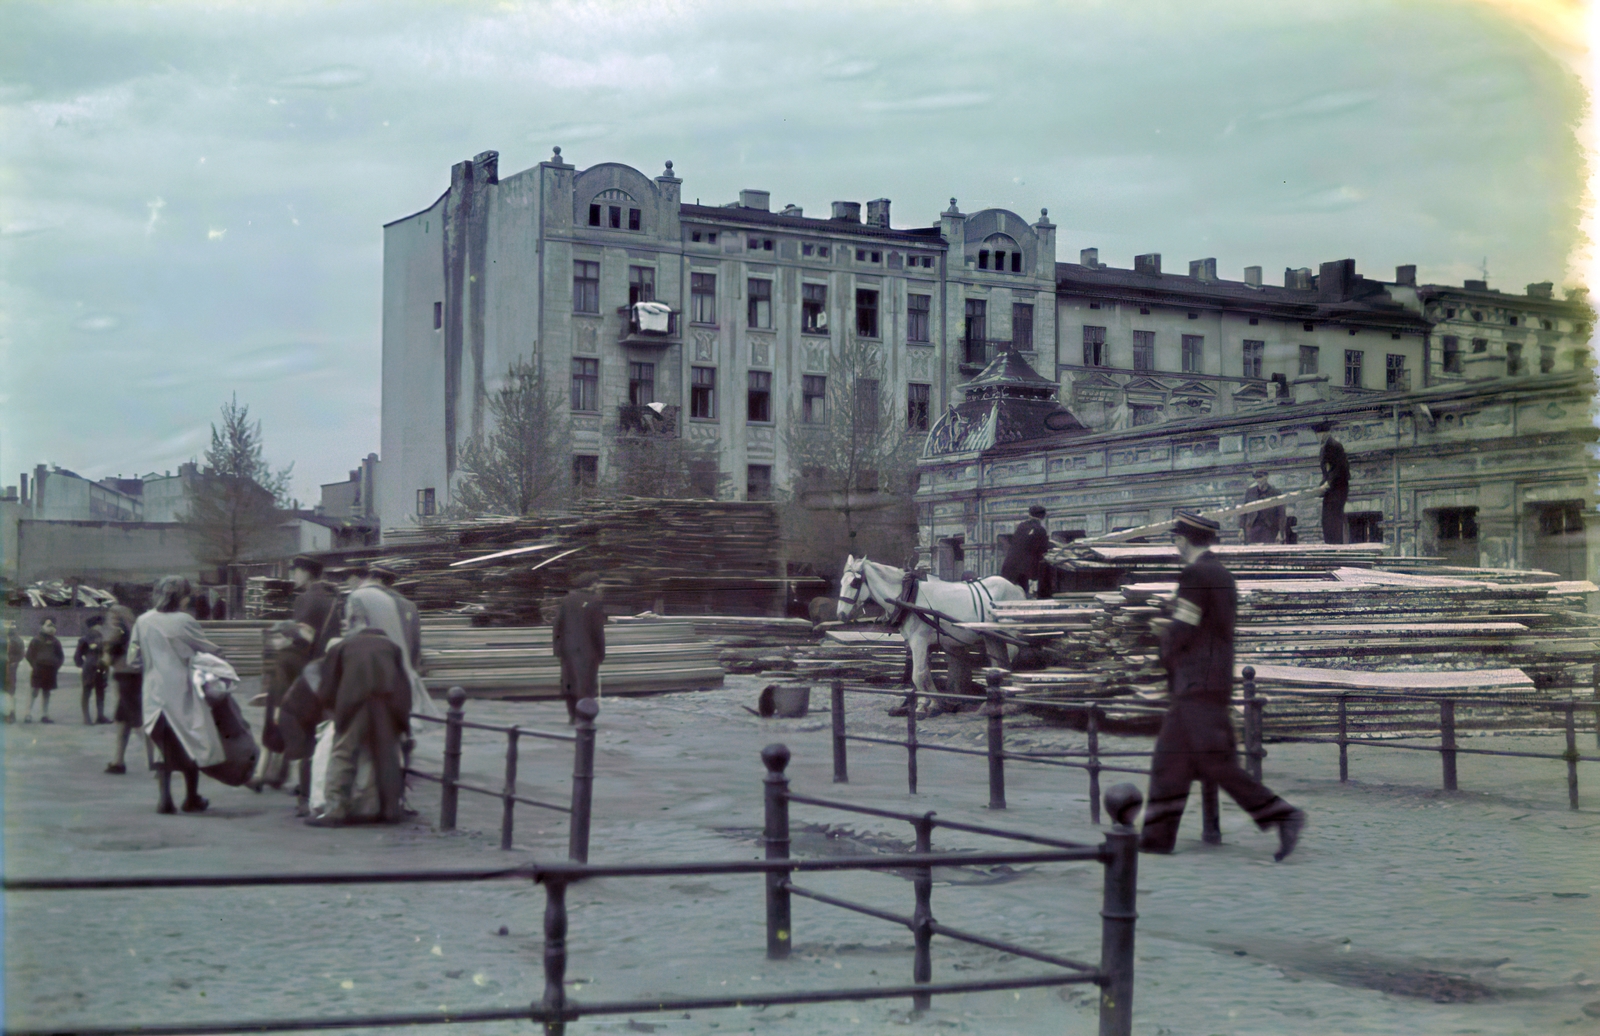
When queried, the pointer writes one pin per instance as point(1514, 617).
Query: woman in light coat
point(176, 717)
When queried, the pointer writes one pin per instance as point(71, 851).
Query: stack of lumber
point(752, 644)
point(268, 598)
point(243, 643)
point(643, 656)
point(869, 654)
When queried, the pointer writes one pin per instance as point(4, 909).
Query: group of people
point(1270, 525)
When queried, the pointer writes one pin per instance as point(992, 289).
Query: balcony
point(978, 353)
point(638, 421)
point(644, 325)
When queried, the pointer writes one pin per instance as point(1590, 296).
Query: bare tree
point(522, 465)
point(651, 459)
point(236, 500)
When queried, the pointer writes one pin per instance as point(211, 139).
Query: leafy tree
point(522, 465)
point(236, 500)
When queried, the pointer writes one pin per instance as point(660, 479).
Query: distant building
point(351, 506)
point(56, 494)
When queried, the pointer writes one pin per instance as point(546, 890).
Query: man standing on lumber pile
point(579, 640)
point(1025, 556)
point(1261, 526)
point(1196, 738)
point(1336, 476)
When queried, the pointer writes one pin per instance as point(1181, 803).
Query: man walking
point(1196, 738)
point(578, 638)
point(1336, 476)
point(1025, 556)
point(128, 678)
point(46, 657)
point(91, 668)
point(1261, 526)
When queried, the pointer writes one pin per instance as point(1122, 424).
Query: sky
point(192, 194)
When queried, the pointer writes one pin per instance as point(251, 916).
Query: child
point(91, 667)
point(291, 650)
point(46, 657)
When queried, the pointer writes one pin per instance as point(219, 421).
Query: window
point(1254, 321)
point(585, 287)
point(977, 331)
point(1144, 415)
point(585, 384)
point(1144, 351)
point(1352, 367)
point(866, 415)
point(1477, 315)
point(866, 313)
point(758, 482)
point(1452, 354)
point(615, 214)
point(917, 399)
point(641, 383)
point(1560, 518)
point(760, 302)
point(1449, 314)
point(1022, 326)
point(814, 308)
point(438, 315)
point(694, 236)
point(703, 298)
point(711, 237)
point(1394, 371)
point(1308, 360)
point(1514, 359)
point(822, 251)
point(585, 473)
point(1547, 359)
point(1456, 523)
point(1512, 321)
point(1365, 527)
point(1000, 262)
point(641, 284)
point(1193, 353)
point(758, 401)
point(808, 249)
point(703, 393)
point(633, 219)
point(1254, 352)
point(814, 399)
point(425, 503)
point(594, 216)
point(1547, 325)
point(918, 308)
point(1480, 345)
point(1016, 262)
point(1094, 346)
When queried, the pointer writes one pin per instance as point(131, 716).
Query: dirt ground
point(1404, 910)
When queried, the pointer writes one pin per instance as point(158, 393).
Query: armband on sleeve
point(1187, 612)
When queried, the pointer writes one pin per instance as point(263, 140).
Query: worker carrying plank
point(1196, 740)
point(1263, 526)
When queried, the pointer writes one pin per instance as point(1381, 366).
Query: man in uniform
point(1196, 739)
point(578, 638)
point(1336, 475)
point(1025, 557)
point(1261, 526)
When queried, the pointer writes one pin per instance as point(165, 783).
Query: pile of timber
point(243, 643)
point(755, 644)
point(268, 598)
point(643, 656)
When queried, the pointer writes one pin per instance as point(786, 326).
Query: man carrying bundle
point(1196, 738)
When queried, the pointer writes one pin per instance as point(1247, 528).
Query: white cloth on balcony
point(654, 317)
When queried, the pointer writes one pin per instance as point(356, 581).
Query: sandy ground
point(1405, 909)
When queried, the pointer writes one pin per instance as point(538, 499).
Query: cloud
point(848, 68)
point(102, 322)
point(1324, 105)
point(335, 77)
point(931, 102)
point(654, 71)
point(155, 206)
point(216, 233)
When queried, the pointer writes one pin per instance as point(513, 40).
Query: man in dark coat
point(15, 649)
point(578, 638)
point(129, 711)
point(1336, 474)
point(46, 657)
point(366, 691)
point(1196, 738)
point(1261, 526)
point(1025, 557)
point(91, 668)
point(315, 611)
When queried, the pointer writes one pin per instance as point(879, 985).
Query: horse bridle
point(861, 584)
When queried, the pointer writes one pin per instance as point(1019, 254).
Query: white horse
point(964, 602)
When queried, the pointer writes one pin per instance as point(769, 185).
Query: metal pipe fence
point(1117, 854)
point(451, 784)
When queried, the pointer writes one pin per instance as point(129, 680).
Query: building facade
point(559, 267)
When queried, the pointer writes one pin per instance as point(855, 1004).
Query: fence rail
point(451, 784)
point(1114, 974)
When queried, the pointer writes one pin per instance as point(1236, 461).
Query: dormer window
point(615, 210)
point(1001, 249)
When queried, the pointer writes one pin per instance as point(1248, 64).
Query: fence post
point(452, 759)
point(1118, 911)
point(841, 772)
point(555, 952)
point(1572, 755)
point(911, 743)
point(922, 917)
point(1210, 814)
point(1447, 742)
point(776, 789)
point(508, 800)
point(1344, 738)
point(582, 782)
point(1094, 764)
point(1253, 752)
point(994, 709)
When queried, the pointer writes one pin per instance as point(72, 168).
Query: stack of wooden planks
point(755, 644)
point(243, 643)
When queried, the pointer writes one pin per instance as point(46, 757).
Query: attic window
point(1477, 314)
point(1144, 311)
point(1016, 262)
point(1512, 321)
point(1309, 327)
point(1094, 305)
point(1254, 321)
point(1194, 316)
point(633, 219)
point(594, 215)
point(695, 236)
point(1352, 331)
point(983, 258)
point(1449, 314)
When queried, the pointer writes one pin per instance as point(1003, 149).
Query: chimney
point(1337, 280)
point(1090, 257)
point(878, 213)
point(1406, 275)
point(1300, 278)
point(1150, 264)
point(1542, 290)
point(1252, 276)
point(755, 200)
point(488, 165)
point(792, 209)
point(1204, 270)
point(848, 211)
point(1475, 285)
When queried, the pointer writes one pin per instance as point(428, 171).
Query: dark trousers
point(1196, 743)
point(94, 684)
point(174, 757)
point(1333, 526)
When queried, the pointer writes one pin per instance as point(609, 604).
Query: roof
point(1009, 371)
point(928, 237)
point(1008, 402)
point(1493, 297)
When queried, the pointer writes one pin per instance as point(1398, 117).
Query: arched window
point(1000, 252)
point(615, 210)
